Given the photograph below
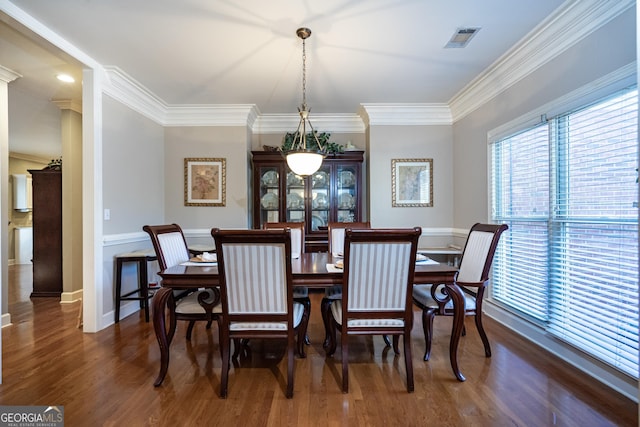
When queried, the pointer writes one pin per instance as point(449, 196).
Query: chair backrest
point(478, 252)
point(378, 272)
point(297, 235)
point(335, 231)
point(255, 274)
point(169, 243)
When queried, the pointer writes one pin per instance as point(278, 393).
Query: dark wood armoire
point(47, 232)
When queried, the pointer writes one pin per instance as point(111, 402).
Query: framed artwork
point(205, 182)
point(412, 182)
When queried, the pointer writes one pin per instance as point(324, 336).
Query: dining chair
point(335, 234)
point(171, 249)
point(300, 293)
point(378, 276)
point(256, 286)
point(472, 277)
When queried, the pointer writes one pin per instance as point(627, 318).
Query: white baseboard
point(6, 319)
point(69, 297)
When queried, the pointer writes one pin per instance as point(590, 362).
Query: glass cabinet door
point(320, 195)
point(346, 193)
point(269, 194)
point(295, 186)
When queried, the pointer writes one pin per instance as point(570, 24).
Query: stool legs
point(143, 285)
point(118, 287)
point(143, 282)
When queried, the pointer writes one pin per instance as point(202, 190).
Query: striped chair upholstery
point(472, 277)
point(257, 293)
point(335, 233)
point(171, 249)
point(376, 300)
point(300, 293)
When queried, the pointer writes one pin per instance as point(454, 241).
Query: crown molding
point(278, 123)
point(406, 114)
point(125, 89)
point(68, 104)
point(209, 115)
point(7, 75)
point(571, 23)
point(28, 157)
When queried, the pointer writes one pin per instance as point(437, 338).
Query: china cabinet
point(47, 232)
point(333, 193)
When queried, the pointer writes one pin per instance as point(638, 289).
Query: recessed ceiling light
point(65, 78)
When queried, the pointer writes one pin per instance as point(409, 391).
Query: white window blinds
point(568, 191)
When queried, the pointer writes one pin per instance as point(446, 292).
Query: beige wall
point(133, 169)
point(132, 189)
point(71, 204)
point(231, 143)
point(411, 142)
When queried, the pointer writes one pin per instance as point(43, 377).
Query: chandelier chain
point(304, 75)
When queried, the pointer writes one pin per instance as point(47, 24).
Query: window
point(567, 188)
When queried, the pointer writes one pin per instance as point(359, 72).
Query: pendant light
point(303, 160)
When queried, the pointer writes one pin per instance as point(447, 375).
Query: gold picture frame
point(205, 182)
point(412, 183)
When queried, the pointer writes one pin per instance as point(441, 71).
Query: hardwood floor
point(106, 379)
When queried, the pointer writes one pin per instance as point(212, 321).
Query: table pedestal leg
point(458, 324)
point(164, 336)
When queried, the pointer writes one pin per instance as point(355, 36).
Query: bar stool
point(141, 257)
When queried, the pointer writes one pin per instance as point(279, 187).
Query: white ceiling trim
point(558, 33)
point(278, 123)
point(125, 89)
point(68, 104)
point(209, 115)
point(406, 114)
point(7, 75)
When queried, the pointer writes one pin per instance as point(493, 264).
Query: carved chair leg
point(225, 344)
point(386, 340)
point(427, 326)
point(302, 334)
point(332, 344)
point(325, 310)
point(396, 348)
point(408, 362)
point(237, 344)
point(483, 335)
point(192, 323)
point(306, 302)
point(290, 365)
point(344, 340)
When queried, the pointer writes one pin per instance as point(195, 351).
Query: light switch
point(107, 214)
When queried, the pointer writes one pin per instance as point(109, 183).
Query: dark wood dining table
point(309, 270)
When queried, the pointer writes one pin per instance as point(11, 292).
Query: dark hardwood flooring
point(106, 379)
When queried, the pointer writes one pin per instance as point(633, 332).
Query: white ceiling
point(246, 52)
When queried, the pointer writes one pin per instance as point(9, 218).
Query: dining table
point(308, 270)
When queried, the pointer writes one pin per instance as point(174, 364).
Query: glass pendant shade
point(304, 162)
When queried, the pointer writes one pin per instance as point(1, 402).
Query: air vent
point(461, 37)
